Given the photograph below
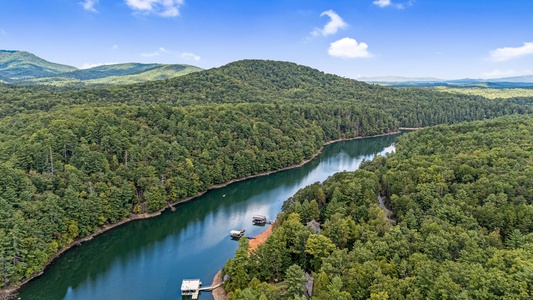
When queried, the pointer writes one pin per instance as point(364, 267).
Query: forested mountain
point(272, 81)
point(462, 198)
point(24, 68)
point(21, 65)
point(72, 161)
point(115, 74)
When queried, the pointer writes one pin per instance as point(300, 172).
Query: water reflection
point(147, 259)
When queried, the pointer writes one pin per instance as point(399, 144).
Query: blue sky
point(352, 38)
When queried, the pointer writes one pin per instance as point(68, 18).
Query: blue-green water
point(147, 259)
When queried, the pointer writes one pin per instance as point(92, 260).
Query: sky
point(447, 39)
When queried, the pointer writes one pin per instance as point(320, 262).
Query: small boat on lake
point(236, 234)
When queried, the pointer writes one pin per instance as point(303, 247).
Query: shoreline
point(7, 292)
point(260, 239)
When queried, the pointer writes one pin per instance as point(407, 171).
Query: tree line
point(73, 161)
point(463, 202)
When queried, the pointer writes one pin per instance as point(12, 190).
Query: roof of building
point(190, 284)
point(314, 225)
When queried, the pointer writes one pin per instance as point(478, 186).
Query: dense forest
point(72, 161)
point(462, 228)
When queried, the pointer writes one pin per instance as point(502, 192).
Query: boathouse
point(236, 234)
point(259, 220)
point(190, 287)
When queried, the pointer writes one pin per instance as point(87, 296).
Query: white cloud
point(386, 3)
point(382, 3)
point(189, 55)
point(163, 51)
point(349, 48)
point(507, 53)
point(499, 73)
point(89, 65)
point(332, 26)
point(164, 8)
point(89, 5)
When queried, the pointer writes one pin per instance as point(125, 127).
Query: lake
point(147, 259)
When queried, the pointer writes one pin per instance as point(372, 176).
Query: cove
point(147, 259)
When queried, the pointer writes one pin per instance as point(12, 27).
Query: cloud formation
point(164, 8)
point(182, 55)
point(335, 23)
point(507, 53)
point(349, 48)
point(386, 3)
point(189, 56)
point(382, 3)
point(89, 5)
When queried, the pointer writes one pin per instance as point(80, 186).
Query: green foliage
point(462, 199)
point(295, 281)
point(116, 74)
point(490, 93)
point(72, 161)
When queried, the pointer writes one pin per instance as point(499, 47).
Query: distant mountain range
point(506, 82)
point(21, 67)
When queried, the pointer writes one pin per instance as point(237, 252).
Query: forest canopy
point(72, 161)
point(462, 228)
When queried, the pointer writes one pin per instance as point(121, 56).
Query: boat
point(236, 234)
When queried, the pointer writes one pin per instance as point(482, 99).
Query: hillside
point(72, 162)
point(24, 68)
point(21, 65)
point(462, 202)
point(260, 81)
point(115, 74)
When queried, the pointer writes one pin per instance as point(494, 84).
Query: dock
point(259, 220)
point(191, 287)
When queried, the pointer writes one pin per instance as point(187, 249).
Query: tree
point(319, 247)
point(296, 280)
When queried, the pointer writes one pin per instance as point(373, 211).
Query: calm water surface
point(147, 259)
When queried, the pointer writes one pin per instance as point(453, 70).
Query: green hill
point(116, 74)
point(461, 202)
point(21, 65)
point(24, 68)
point(73, 161)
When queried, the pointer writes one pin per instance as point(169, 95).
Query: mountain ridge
point(19, 65)
point(25, 68)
